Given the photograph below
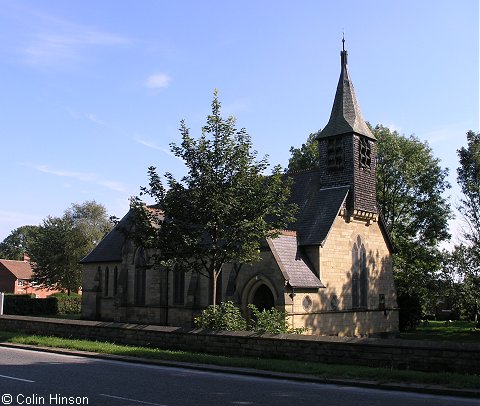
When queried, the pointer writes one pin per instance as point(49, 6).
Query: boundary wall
point(373, 352)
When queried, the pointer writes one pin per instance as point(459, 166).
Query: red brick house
point(15, 277)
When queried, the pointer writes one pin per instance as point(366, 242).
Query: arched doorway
point(263, 298)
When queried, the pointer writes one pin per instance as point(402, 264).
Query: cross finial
point(343, 41)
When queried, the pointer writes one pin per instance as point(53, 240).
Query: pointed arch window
point(115, 281)
point(107, 277)
point(359, 275)
point(98, 279)
point(140, 277)
point(178, 287)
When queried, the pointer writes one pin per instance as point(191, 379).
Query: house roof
point(292, 263)
point(20, 269)
point(318, 207)
point(346, 116)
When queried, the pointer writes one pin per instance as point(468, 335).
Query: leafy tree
point(465, 259)
point(463, 275)
point(91, 219)
point(217, 213)
point(468, 177)
point(17, 242)
point(410, 184)
point(305, 157)
point(410, 188)
point(53, 256)
point(61, 242)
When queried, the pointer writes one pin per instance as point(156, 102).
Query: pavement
point(402, 387)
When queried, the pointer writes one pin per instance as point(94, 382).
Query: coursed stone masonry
point(385, 353)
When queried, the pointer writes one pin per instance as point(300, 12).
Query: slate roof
point(318, 207)
point(109, 249)
point(292, 263)
point(346, 116)
point(20, 269)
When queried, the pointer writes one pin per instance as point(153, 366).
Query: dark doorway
point(263, 298)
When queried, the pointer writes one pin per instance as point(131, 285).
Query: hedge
point(22, 305)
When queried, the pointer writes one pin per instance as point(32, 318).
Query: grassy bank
point(455, 331)
point(327, 371)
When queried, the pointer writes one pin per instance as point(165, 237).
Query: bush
point(410, 312)
point(225, 316)
point(68, 304)
point(271, 321)
point(23, 305)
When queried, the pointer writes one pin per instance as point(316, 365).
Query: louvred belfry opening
point(347, 146)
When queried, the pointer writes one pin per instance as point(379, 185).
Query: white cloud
point(85, 177)
point(112, 185)
point(94, 119)
point(52, 41)
point(152, 145)
point(81, 176)
point(158, 81)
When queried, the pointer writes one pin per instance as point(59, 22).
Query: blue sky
point(92, 92)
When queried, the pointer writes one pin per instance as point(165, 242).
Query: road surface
point(38, 378)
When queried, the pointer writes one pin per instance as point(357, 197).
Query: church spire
point(346, 116)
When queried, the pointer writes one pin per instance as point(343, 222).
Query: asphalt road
point(38, 378)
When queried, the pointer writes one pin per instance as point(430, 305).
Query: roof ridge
point(289, 233)
point(14, 260)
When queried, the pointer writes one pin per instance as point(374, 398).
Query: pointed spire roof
point(346, 116)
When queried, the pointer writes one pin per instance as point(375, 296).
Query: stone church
point(331, 271)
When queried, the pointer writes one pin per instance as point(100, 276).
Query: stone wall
point(399, 354)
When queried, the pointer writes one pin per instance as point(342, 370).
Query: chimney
point(26, 258)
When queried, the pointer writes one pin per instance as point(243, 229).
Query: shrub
point(410, 312)
point(271, 321)
point(225, 316)
point(68, 304)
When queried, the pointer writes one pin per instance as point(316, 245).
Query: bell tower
point(347, 148)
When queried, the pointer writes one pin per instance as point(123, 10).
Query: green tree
point(410, 187)
point(463, 275)
point(17, 242)
point(91, 219)
point(305, 157)
point(410, 194)
point(61, 242)
point(465, 259)
point(217, 213)
point(468, 177)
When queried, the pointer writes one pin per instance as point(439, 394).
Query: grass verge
point(327, 371)
point(456, 331)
